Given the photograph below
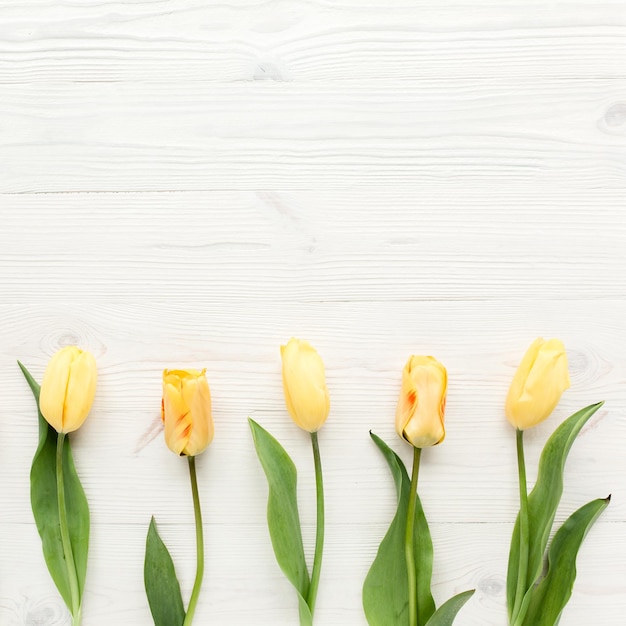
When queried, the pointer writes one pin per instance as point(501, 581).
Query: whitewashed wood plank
point(320, 41)
point(444, 242)
point(161, 137)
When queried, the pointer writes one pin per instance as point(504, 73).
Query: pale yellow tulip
point(304, 384)
point(186, 411)
point(538, 384)
point(68, 389)
point(420, 411)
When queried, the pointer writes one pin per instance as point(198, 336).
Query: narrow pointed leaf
point(446, 613)
point(43, 497)
point(554, 591)
point(543, 502)
point(162, 587)
point(385, 590)
point(283, 518)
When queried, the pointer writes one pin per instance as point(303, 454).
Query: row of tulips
point(397, 589)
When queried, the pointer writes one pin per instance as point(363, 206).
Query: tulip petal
point(177, 418)
point(54, 386)
point(197, 397)
point(407, 403)
point(81, 390)
point(546, 381)
point(516, 390)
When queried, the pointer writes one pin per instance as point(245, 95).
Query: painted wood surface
point(190, 184)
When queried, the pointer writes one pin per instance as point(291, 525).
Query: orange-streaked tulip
point(186, 411)
point(538, 384)
point(304, 384)
point(68, 389)
point(419, 416)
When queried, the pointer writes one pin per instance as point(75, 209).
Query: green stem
point(193, 601)
point(77, 618)
point(524, 531)
point(408, 539)
point(65, 534)
point(319, 535)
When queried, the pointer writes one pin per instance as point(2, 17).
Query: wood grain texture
point(298, 40)
point(190, 184)
point(199, 136)
point(432, 243)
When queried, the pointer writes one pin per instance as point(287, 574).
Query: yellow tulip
point(68, 389)
point(538, 384)
point(186, 411)
point(420, 412)
point(304, 384)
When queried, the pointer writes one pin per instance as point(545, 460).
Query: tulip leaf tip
point(25, 371)
point(160, 581)
point(253, 425)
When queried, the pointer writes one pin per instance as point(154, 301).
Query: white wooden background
point(188, 183)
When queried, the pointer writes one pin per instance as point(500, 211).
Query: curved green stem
point(524, 531)
point(65, 534)
point(319, 534)
point(193, 601)
point(408, 539)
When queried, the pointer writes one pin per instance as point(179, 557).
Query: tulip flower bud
point(68, 389)
point(186, 411)
point(419, 416)
point(538, 384)
point(304, 384)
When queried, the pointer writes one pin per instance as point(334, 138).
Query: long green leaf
point(283, 518)
point(162, 587)
point(43, 497)
point(446, 613)
point(385, 590)
point(554, 591)
point(543, 502)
